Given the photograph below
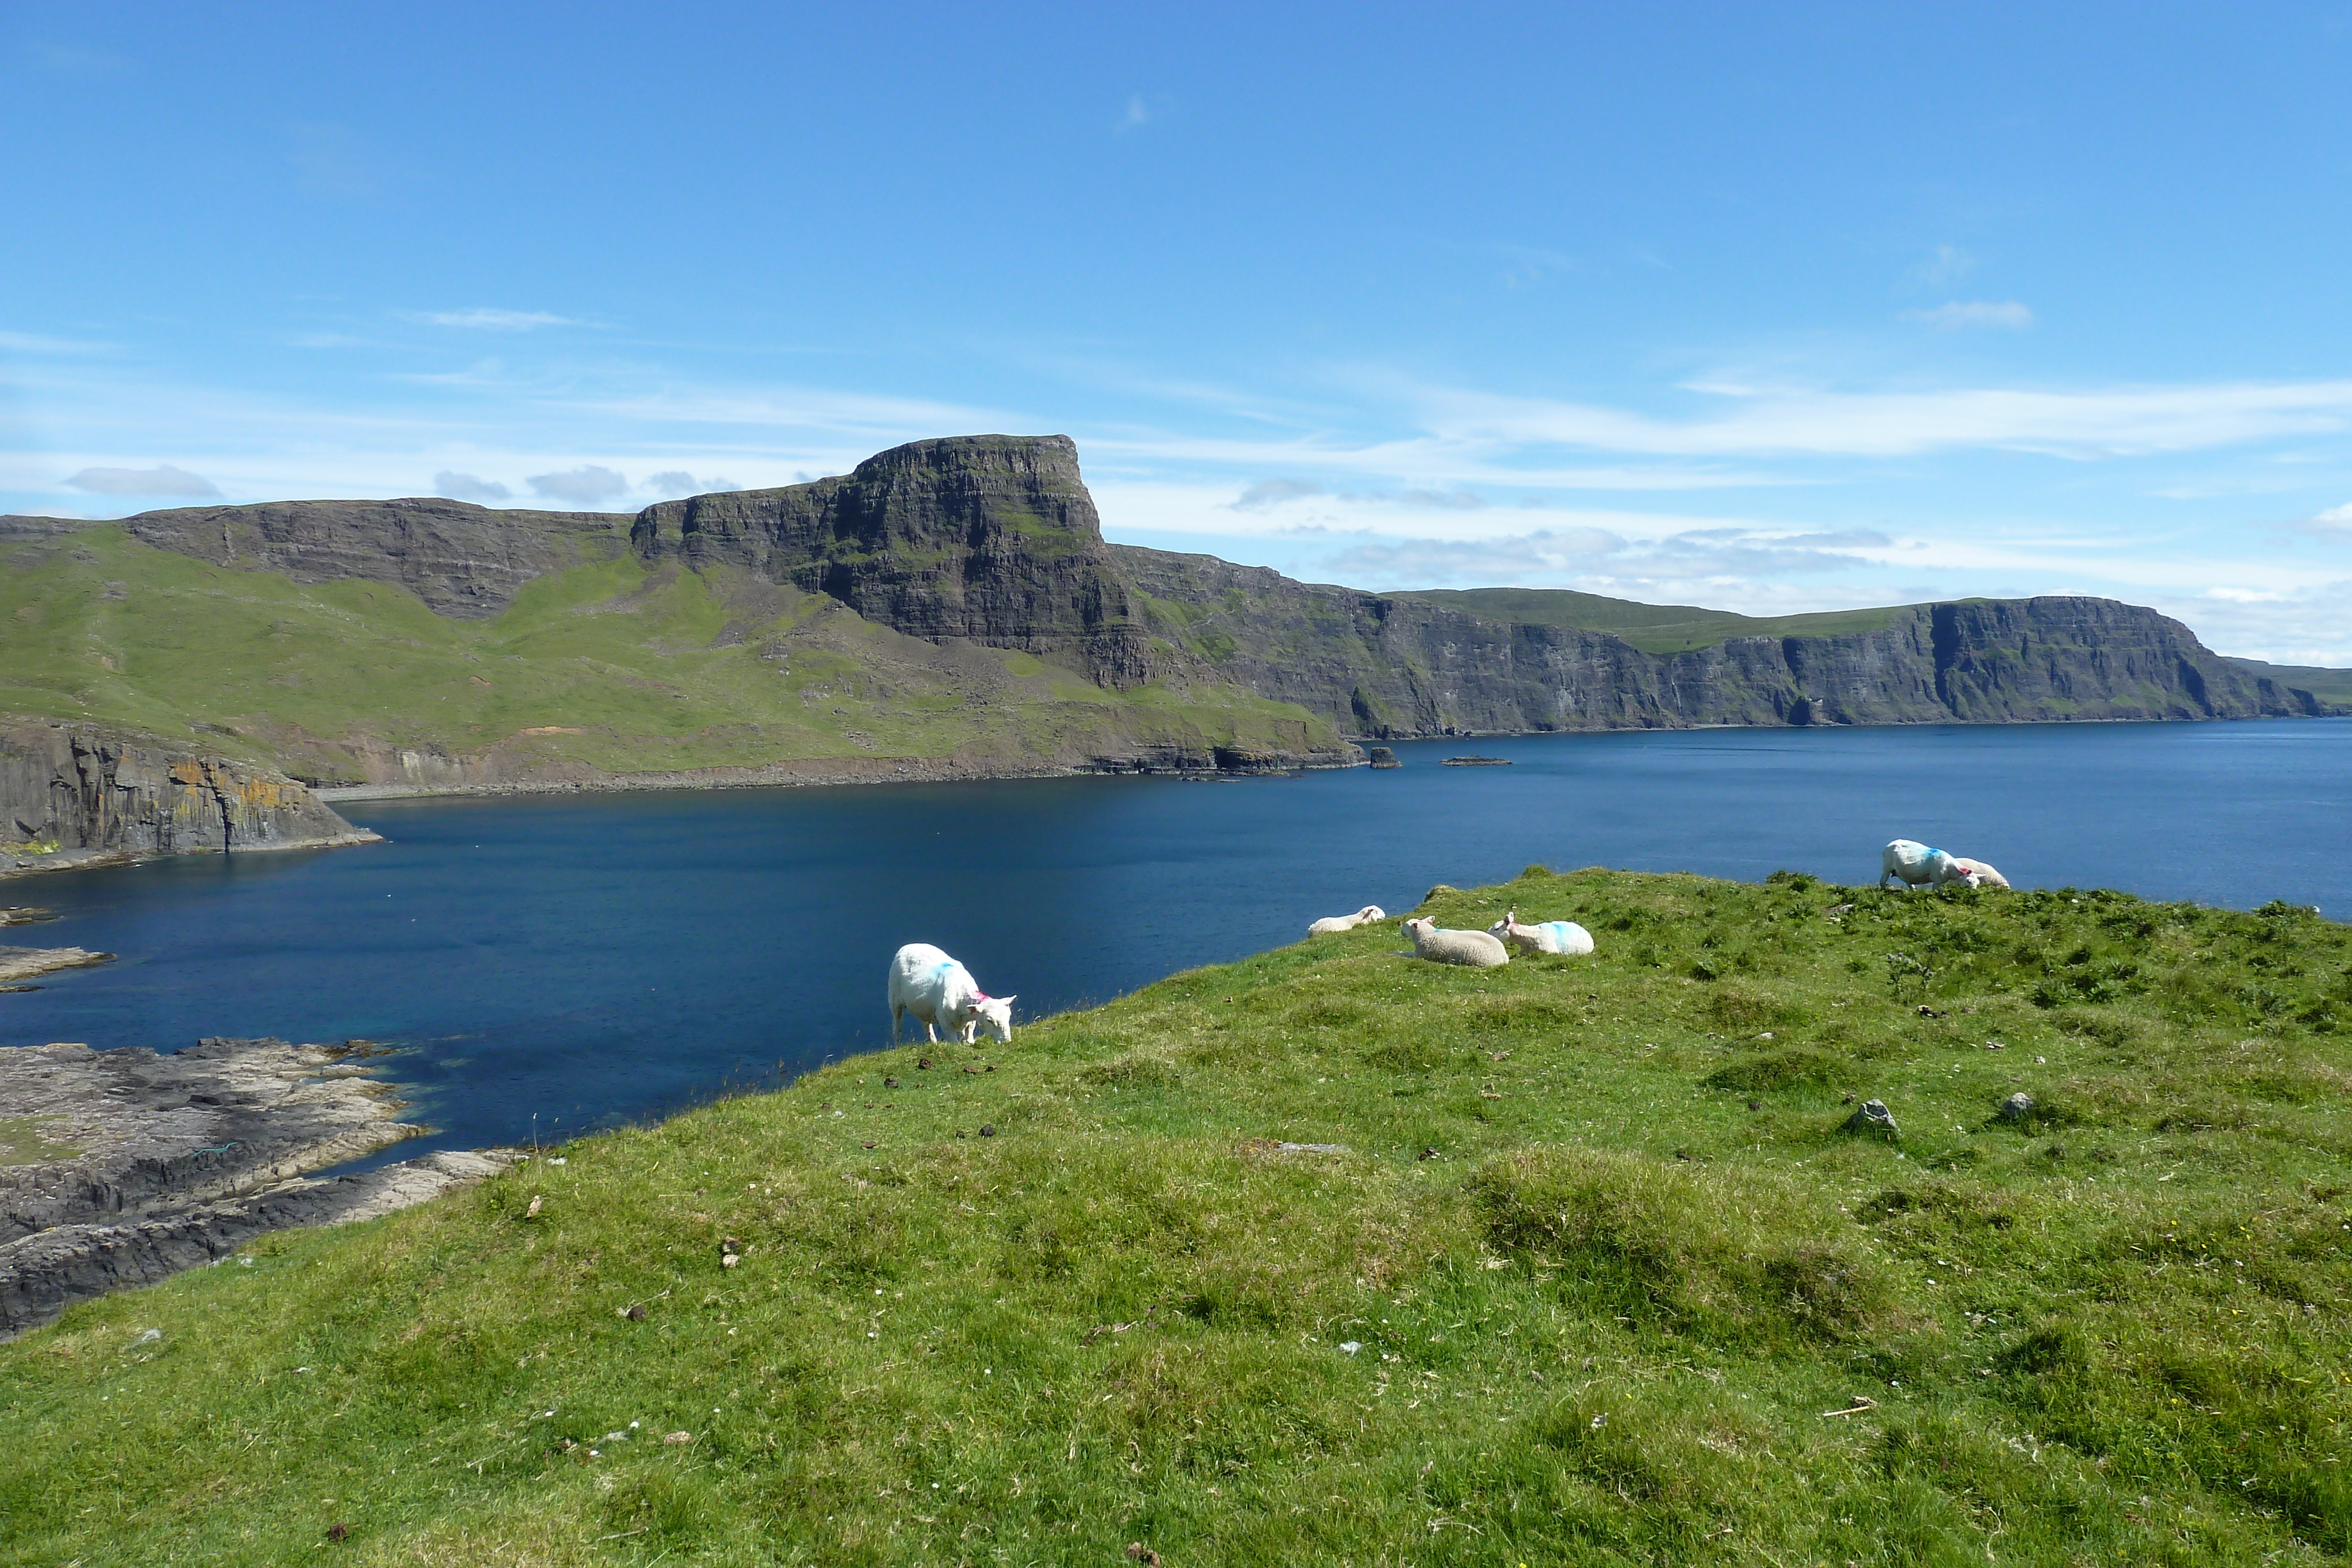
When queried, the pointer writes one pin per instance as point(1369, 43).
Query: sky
point(1765, 307)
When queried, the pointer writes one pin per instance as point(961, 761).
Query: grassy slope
point(1653, 628)
point(2327, 686)
point(1601, 1323)
point(96, 625)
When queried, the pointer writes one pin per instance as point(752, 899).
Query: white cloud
point(468, 488)
point(1137, 114)
point(164, 480)
point(584, 486)
point(2334, 520)
point(1960, 313)
point(674, 482)
point(1273, 492)
point(495, 320)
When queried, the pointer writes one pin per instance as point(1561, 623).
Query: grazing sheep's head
point(995, 1014)
point(1370, 912)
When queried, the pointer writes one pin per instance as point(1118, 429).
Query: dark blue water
point(595, 959)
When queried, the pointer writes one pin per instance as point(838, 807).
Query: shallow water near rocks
point(548, 965)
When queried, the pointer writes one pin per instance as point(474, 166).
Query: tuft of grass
point(1593, 1277)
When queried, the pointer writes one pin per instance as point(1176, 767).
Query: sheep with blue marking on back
point(1549, 937)
point(942, 995)
point(1471, 950)
point(1913, 864)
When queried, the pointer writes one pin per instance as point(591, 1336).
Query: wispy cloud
point(674, 482)
point(162, 480)
point(468, 487)
point(589, 486)
point(1768, 421)
point(2335, 520)
point(1268, 493)
point(1947, 262)
point(1958, 314)
point(1718, 555)
point(1137, 113)
point(35, 343)
point(485, 320)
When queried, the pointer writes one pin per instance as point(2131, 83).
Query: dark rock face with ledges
point(461, 559)
point(984, 538)
point(67, 794)
point(1388, 667)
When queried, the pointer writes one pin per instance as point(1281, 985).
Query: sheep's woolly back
point(1471, 949)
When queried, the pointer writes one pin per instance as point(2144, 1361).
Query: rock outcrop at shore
point(72, 796)
point(1392, 668)
point(125, 1167)
point(984, 538)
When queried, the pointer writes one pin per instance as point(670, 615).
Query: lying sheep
point(1551, 937)
point(1977, 874)
point(942, 995)
point(1332, 925)
point(1915, 865)
point(1473, 949)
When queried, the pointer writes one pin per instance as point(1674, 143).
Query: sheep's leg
point(898, 1015)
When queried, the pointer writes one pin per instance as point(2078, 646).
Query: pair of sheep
point(1915, 865)
point(1476, 950)
point(1491, 948)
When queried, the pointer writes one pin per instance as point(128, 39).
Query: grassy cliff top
point(1593, 1277)
point(614, 666)
point(1653, 628)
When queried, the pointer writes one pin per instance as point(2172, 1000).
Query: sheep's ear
point(1008, 1001)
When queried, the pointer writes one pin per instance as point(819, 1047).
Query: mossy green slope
point(1596, 1280)
point(612, 667)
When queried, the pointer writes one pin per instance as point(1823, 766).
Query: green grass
point(1607, 1258)
point(1653, 628)
point(2327, 686)
point(608, 666)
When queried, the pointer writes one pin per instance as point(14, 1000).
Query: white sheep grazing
point(942, 995)
point(1473, 949)
point(1332, 925)
point(1551, 937)
point(1977, 874)
point(1915, 865)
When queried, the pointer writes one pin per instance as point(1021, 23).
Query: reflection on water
point(593, 959)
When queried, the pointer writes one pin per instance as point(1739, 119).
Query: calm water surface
point(598, 959)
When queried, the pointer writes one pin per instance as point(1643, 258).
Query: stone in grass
point(1873, 1116)
point(2018, 1107)
point(1138, 1552)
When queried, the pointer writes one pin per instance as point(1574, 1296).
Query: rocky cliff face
point(1390, 667)
point(982, 538)
point(69, 796)
point(460, 559)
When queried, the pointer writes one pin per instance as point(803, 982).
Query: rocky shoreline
point(124, 1166)
point(1168, 761)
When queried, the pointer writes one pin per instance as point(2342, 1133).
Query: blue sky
point(1767, 307)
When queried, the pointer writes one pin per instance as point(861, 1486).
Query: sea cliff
point(73, 796)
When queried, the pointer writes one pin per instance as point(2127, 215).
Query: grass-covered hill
point(611, 667)
point(1653, 628)
point(1592, 1277)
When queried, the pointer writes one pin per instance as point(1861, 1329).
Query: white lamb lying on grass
point(1473, 949)
point(1551, 937)
point(942, 995)
point(1977, 874)
point(1332, 925)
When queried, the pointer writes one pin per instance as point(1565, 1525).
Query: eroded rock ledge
point(128, 1165)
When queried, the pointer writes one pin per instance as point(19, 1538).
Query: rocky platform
point(121, 1167)
point(24, 963)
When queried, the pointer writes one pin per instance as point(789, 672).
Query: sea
point(543, 965)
